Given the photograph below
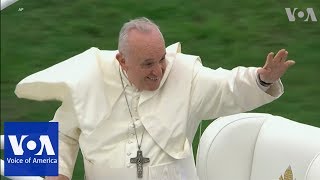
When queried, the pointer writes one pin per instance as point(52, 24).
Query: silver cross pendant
point(139, 160)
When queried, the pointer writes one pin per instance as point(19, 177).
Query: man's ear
point(121, 61)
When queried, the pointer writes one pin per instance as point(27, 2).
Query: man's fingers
point(289, 63)
point(279, 55)
point(270, 58)
point(284, 57)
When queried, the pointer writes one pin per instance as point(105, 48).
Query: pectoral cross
point(139, 160)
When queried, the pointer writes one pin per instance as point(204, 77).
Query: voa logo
point(34, 144)
point(305, 14)
point(31, 149)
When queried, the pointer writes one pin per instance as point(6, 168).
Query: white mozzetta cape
point(89, 84)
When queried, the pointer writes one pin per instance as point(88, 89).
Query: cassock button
point(129, 153)
point(129, 142)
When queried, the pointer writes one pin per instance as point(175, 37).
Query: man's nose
point(157, 70)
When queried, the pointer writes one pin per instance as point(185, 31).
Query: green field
point(36, 34)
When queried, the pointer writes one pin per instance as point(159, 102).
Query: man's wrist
point(265, 84)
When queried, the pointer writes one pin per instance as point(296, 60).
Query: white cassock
point(94, 115)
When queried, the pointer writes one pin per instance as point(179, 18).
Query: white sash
point(183, 169)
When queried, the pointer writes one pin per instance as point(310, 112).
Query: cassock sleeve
point(58, 83)
point(68, 138)
point(223, 92)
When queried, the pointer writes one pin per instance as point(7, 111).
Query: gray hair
point(141, 24)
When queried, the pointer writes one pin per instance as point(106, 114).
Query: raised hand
point(275, 67)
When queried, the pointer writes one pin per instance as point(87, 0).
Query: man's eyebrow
point(148, 60)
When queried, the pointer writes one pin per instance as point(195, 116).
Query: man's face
point(145, 61)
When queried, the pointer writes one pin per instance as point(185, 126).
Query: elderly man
point(134, 112)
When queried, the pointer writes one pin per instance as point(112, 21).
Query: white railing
point(6, 3)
